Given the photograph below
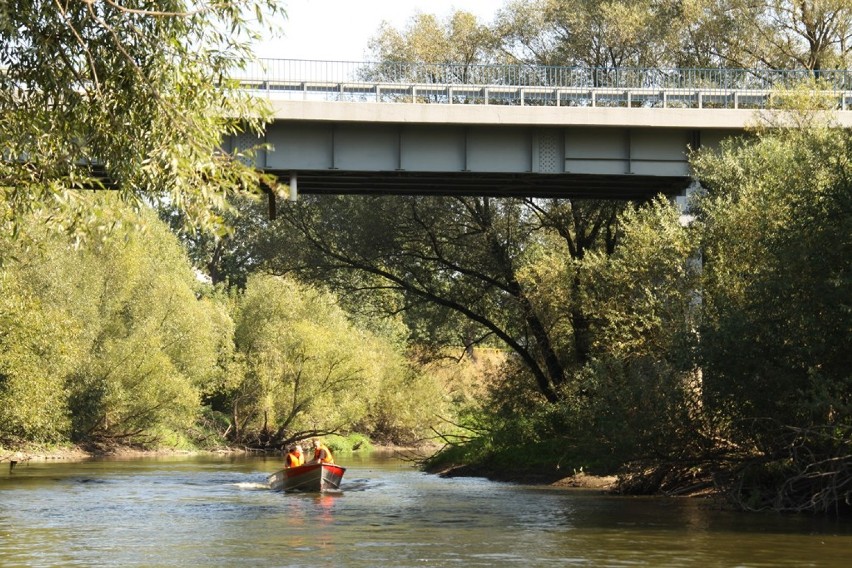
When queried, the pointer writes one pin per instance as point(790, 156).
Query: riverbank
point(579, 480)
point(117, 451)
point(76, 453)
point(556, 478)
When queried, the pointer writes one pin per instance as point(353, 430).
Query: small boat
point(308, 477)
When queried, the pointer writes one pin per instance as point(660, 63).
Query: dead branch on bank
point(812, 474)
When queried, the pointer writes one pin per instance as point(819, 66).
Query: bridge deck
point(344, 127)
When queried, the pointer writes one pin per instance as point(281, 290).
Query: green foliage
point(36, 351)
point(339, 444)
point(458, 267)
point(407, 400)
point(115, 343)
point(637, 397)
point(810, 34)
point(307, 370)
point(153, 343)
point(646, 291)
point(471, 440)
point(545, 441)
point(210, 429)
point(301, 358)
point(163, 438)
point(603, 306)
point(130, 96)
point(460, 39)
point(604, 34)
point(777, 225)
point(613, 33)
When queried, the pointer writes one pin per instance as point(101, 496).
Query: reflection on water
point(220, 512)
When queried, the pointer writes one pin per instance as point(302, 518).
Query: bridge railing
point(534, 84)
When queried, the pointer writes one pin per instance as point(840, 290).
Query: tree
point(116, 345)
point(305, 366)
point(587, 33)
point(776, 262)
point(644, 383)
point(132, 96)
point(37, 351)
point(778, 34)
point(460, 39)
point(460, 262)
point(226, 258)
point(103, 341)
point(776, 324)
point(432, 51)
point(152, 341)
point(615, 34)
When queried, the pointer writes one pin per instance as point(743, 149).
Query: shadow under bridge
point(352, 148)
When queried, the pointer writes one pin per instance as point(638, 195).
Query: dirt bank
point(554, 479)
point(76, 453)
point(583, 481)
point(43, 454)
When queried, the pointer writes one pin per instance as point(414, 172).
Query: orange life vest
point(319, 452)
point(294, 460)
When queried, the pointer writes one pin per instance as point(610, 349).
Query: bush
point(349, 443)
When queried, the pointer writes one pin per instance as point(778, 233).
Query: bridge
point(349, 127)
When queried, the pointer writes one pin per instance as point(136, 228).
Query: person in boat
point(321, 453)
point(295, 457)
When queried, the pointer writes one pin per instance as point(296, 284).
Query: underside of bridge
point(565, 185)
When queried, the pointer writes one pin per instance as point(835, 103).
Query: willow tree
point(307, 370)
point(38, 349)
point(131, 96)
point(104, 341)
point(152, 343)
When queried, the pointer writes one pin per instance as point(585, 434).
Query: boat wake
point(357, 485)
point(251, 485)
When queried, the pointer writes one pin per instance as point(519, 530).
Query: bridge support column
point(294, 187)
point(682, 201)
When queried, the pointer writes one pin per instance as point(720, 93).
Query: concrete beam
point(549, 116)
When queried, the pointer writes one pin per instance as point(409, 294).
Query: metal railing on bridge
point(535, 85)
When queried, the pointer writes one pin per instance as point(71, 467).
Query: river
point(218, 511)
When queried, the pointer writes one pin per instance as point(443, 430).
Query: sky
point(339, 30)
